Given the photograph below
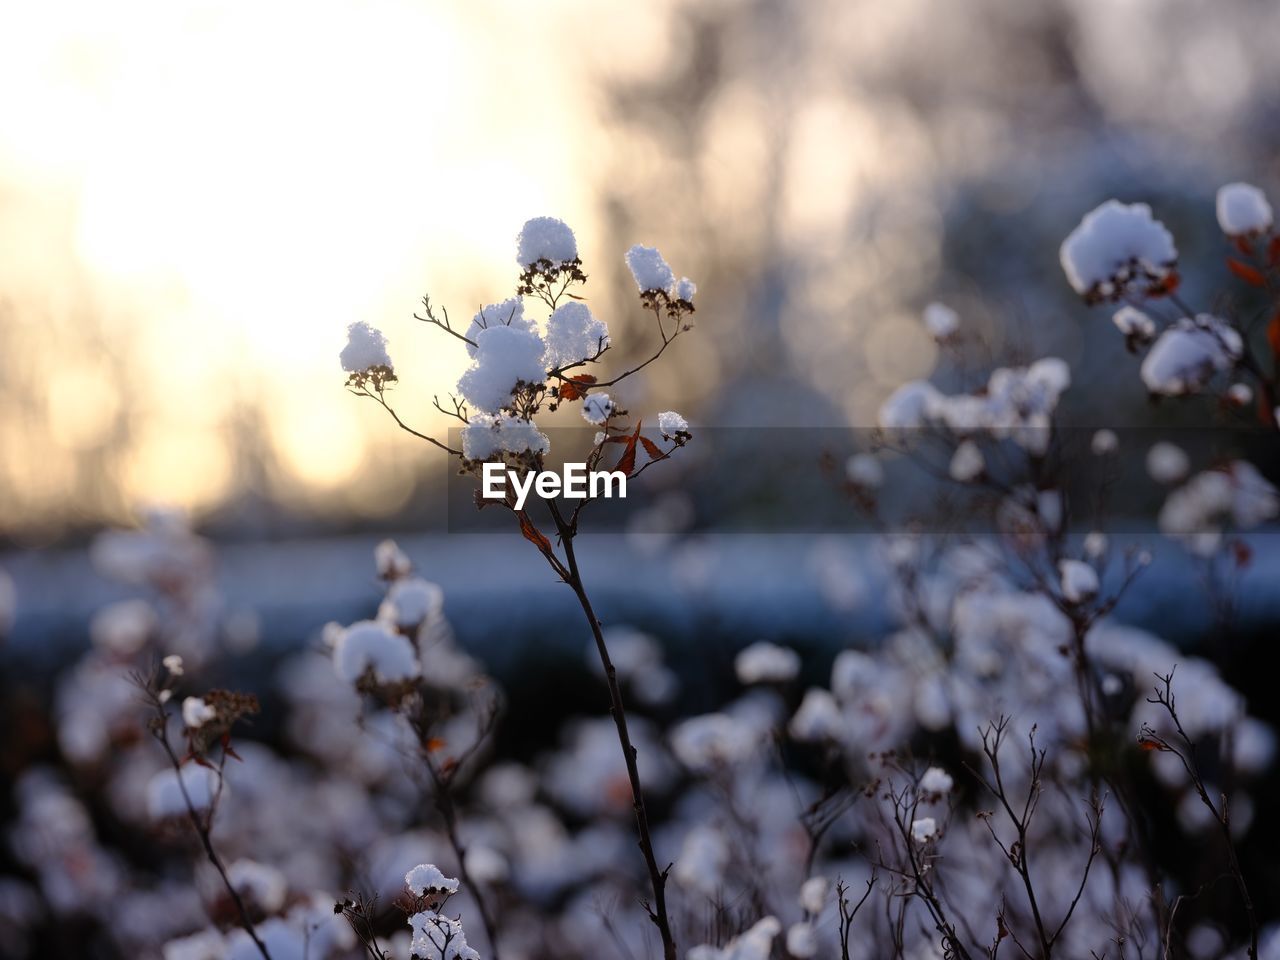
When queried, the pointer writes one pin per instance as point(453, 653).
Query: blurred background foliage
point(195, 200)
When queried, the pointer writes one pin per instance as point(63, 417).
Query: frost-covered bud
point(936, 782)
point(923, 830)
point(1243, 210)
point(650, 271)
point(766, 663)
point(941, 321)
point(813, 895)
point(366, 349)
point(1118, 249)
point(1137, 326)
point(545, 239)
point(685, 290)
point(672, 426)
point(1240, 394)
point(1104, 442)
point(1079, 581)
point(597, 408)
point(196, 713)
point(426, 879)
point(967, 462)
point(864, 470)
point(1167, 462)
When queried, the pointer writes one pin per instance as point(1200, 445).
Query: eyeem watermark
point(574, 482)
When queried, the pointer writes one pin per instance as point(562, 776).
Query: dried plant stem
point(204, 829)
point(657, 876)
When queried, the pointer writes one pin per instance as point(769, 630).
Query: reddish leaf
point(1242, 553)
point(627, 462)
point(652, 449)
point(1246, 273)
point(1166, 286)
point(1273, 251)
point(1273, 335)
point(434, 744)
point(533, 534)
point(572, 389)
point(1245, 246)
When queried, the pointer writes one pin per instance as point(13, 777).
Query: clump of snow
point(260, 883)
point(123, 627)
point(906, 408)
point(672, 425)
point(205, 945)
point(1078, 579)
point(712, 740)
point(817, 718)
point(597, 408)
point(1095, 544)
point(1187, 355)
point(164, 792)
point(941, 321)
point(1134, 324)
point(813, 895)
point(1118, 249)
point(391, 562)
point(505, 357)
point(484, 437)
point(864, 470)
point(366, 348)
point(173, 664)
point(967, 463)
point(196, 713)
point(703, 858)
point(1197, 512)
point(936, 782)
point(411, 601)
point(426, 879)
point(1240, 394)
point(439, 938)
point(924, 829)
point(371, 646)
point(755, 944)
point(685, 290)
point(545, 238)
point(574, 334)
point(649, 269)
point(1104, 442)
point(1167, 462)
point(508, 313)
point(766, 663)
point(802, 942)
point(1243, 210)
